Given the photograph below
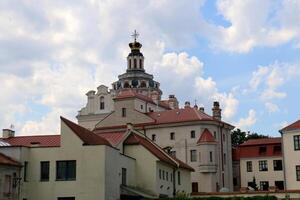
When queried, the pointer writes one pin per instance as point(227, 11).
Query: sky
point(242, 53)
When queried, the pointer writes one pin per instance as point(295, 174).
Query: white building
point(291, 154)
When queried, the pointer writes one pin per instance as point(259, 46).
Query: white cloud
point(275, 23)
point(208, 91)
point(181, 64)
point(247, 122)
point(271, 107)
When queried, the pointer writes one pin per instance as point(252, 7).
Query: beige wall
point(183, 144)
point(291, 159)
point(271, 176)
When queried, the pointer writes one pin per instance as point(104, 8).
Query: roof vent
point(158, 115)
point(177, 112)
point(7, 133)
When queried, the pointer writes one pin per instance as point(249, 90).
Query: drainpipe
point(174, 182)
point(222, 152)
point(185, 147)
point(283, 160)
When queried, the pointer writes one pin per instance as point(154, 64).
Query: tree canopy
point(238, 137)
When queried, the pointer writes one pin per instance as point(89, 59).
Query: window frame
point(123, 112)
point(275, 167)
point(297, 172)
point(193, 134)
point(66, 172)
point(249, 166)
point(172, 136)
point(193, 155)
point(296, 142)
point(102, 103)
point(47, 178)
point(261, 164)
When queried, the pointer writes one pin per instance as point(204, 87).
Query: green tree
point(237, 137)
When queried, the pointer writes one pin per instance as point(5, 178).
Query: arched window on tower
point(102, 104)
point(141, 63)
point(126, 85)
point(134, 63)
point(143, 84)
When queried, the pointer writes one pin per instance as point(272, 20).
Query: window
point(25, 170)
point(123, 112)
point(277, 149)
point(171, 177)
point(193, 135)
point(249, 166)
point(45, 171)
point(124, 176)
point(210, 156)
point(7, 185)
point(163, 174)
point(297, 142)
point(178, 176)
point(298, 172)
point(264, 185)
point(235, 181)
point(66, 170)
point(173, 153)
point(263, 165)
point(279, 185)
point(277, 164)
point(102, 103)
point(153, 137)
point(142, 107)
point(172, 136)
point(215, 134)
point(194, 187)
point(262, 150)
point(134, 63)
point(159, 173)
point(193, 155)
point(66, 198)
point(167, 176)
point(224, 158)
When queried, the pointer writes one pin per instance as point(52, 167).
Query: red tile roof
point(135, 139)
point(262, 141)
point(183, 164)
point(5, 160)
point(87, 136)
point(113, 137)
point(206, 136)
point(251, 148)
point(39, 140)
point(179, 115)
point(130, 93)
point(293, 126)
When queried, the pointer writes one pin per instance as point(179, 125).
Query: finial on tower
point(135, 35)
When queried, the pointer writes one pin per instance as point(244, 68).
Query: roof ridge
point(30, 136)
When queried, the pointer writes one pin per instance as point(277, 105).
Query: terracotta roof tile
point(262, 141)
point(206, 136)
point(293, 126)
point(179, 115)
point(129, 93)
point(5, 160)
point(87, 136)
point(113, 137)
point(39, 140)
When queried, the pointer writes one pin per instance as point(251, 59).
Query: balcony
point(208, 168)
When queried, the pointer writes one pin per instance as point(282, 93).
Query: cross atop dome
point(135, 35)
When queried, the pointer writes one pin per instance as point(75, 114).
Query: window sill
point(65, 180)
point(45, 180)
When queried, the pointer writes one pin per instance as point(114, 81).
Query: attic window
point(35, 143)
point(123, 112)
point(153, 137)
point(262, 150)
point(277, 149)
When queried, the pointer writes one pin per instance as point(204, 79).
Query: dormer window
point(123, 112)
point(277, 149)
point(102, 104)
point(262, 150)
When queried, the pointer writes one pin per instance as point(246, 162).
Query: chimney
point(216, 111)
point(173, 102)
point(187, 104)
point(201, 109)
point(196, 106)
point(7, 133)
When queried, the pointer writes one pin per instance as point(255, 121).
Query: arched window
point(102, 104)
point(126, 85)
point(143, 84)
point(134, 63)
point(141, 63)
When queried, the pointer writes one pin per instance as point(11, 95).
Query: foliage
point(238, 137)
point(223, 198)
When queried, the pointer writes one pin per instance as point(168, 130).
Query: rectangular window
point(235, 181)
point(193, 155)
point(142, 107)
point(44, 171)
point(263, 165)
point(153, 137)
point(7, 185)
point(66, 170)
point(178, 176)
point(264, 185)
point(262, 150)
point(171, 176)
point(193, 135)
point(194, 186)
point(210, 156)
point(249, 166)
point(279, 185)
point(124, 176)
point(277, 164)
point(173, 153)
point(215, 134)
point(297, 142)
point(172, 136)
point(167, 176)
point(159, 173)
point(298, 172)
point(277, 149)
point(224, 158)
point(25, 171)
point(123, 112)
point(163, 174)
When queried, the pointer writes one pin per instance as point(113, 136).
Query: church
point(128, 143)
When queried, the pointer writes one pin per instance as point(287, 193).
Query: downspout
point(222, 152)
point(282, 149)
point(185, 147)
point(174, 182)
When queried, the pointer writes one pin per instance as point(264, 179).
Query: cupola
point(135, 59)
